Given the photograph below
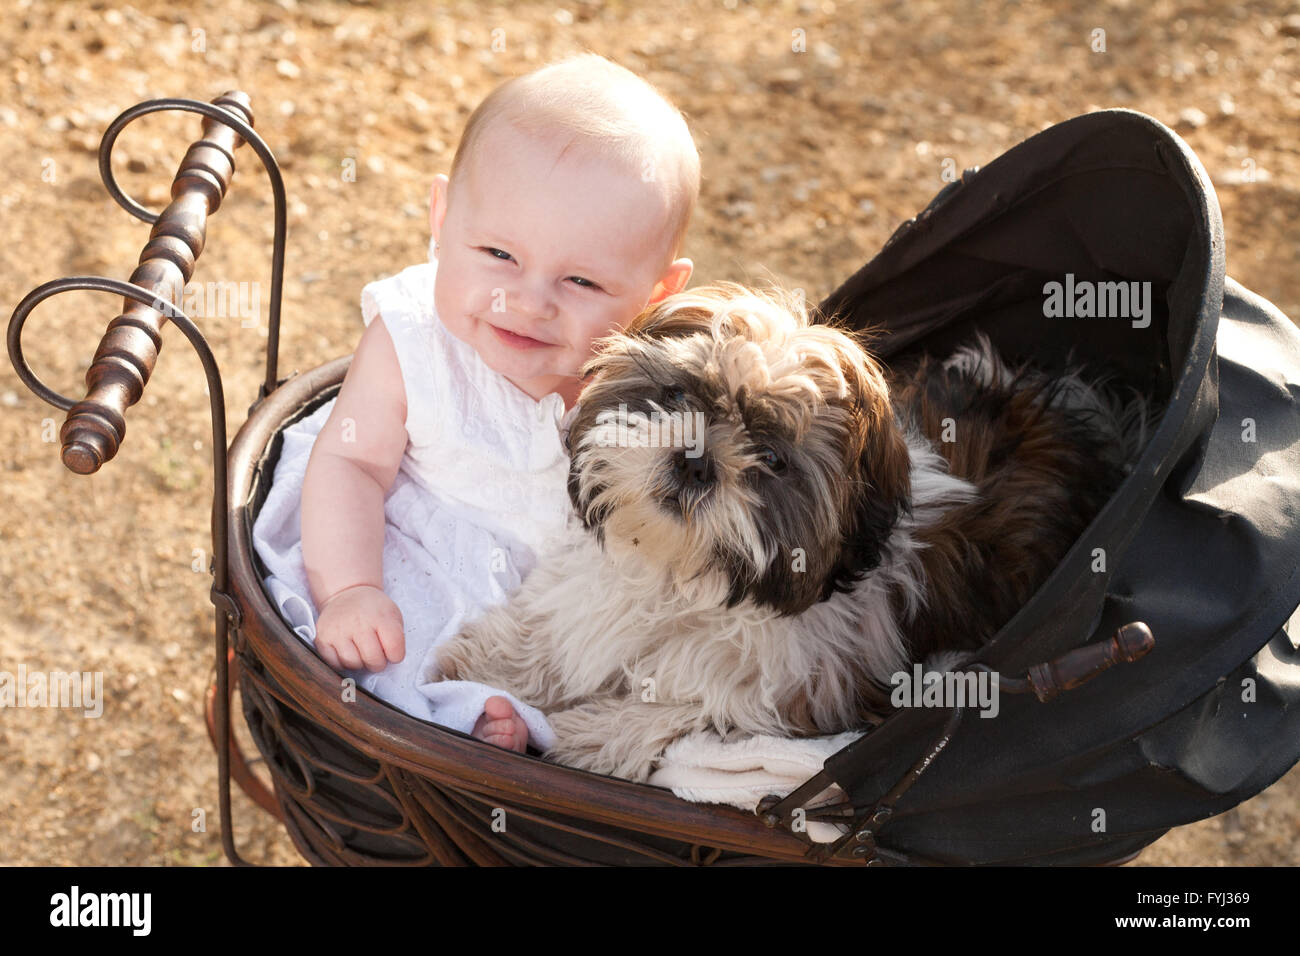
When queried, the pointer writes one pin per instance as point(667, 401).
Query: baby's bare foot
point(500, 725)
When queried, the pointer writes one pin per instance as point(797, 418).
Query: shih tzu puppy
point(770, 524)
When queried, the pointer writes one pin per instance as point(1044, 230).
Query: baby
point(567, 203)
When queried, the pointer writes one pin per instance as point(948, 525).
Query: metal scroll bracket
point(95, 427)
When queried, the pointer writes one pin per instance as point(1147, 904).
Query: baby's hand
point(500, 725)
point(360, 627)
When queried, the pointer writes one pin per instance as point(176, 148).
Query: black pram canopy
point(1201, 542)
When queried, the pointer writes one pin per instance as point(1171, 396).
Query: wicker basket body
point(359, 782)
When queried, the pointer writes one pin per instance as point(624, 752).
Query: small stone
point(827, 54)
point(287, 68)
point(866, 206)
point(738, 209)
point(787, 80)
point(1192, 118)
point(1290, 25)
point(742, 190)
point(770, 174)
point(1227, 106)
point(171, 650)
point(93, 761)
point(416, 102)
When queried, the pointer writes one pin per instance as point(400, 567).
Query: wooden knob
point(1128, 644)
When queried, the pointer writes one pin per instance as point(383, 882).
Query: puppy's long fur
point(840, 523)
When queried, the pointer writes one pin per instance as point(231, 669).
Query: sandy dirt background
point(810, 161)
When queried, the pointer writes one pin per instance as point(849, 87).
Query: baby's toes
point(502, 733)
point(521, 734)
point(507, 742)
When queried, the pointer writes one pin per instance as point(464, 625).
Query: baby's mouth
point(515, 340)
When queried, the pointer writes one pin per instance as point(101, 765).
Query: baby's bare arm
point(352, 466)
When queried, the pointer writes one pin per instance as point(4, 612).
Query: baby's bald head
point(590, 105)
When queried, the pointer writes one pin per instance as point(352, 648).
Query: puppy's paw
point(612, 739)
point(593, 745)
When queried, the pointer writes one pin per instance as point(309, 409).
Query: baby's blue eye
point(580, 279)
point(493, 252)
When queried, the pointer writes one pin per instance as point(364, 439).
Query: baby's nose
point(532, 301)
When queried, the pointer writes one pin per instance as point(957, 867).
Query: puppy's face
point(722, 433)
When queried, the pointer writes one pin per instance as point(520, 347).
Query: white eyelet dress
point(480, 492)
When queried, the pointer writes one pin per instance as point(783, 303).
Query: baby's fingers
point(325, 648)
point(371, 650)
point(339, 651)
point(392, 635)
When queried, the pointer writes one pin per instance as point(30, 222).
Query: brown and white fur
point(827, 537)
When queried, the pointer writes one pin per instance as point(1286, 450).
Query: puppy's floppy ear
point(674, 315)
point(878, 468)
point(684, 313)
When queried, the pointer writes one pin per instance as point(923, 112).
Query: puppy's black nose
point(693, 472)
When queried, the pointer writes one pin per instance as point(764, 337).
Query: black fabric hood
point(1201, 542)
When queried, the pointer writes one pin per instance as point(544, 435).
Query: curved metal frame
point(225, 607)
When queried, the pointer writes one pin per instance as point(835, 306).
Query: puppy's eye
point(674, 394)
point(771, 459)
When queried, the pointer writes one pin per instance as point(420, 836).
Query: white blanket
point(704, 769)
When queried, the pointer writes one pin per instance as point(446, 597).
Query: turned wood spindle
point(95, 427)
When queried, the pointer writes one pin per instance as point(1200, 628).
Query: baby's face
point(540, 256)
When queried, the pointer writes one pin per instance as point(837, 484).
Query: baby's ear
point(673, 281)
point(438, 203)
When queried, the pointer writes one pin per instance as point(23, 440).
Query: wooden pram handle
point(95, 427)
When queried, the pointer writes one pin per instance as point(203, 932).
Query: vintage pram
point(1198, 550)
